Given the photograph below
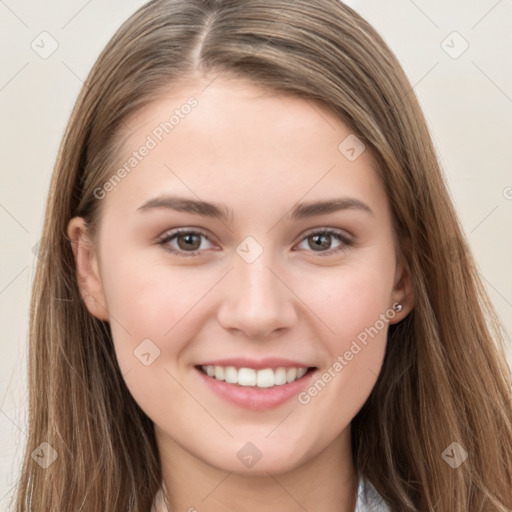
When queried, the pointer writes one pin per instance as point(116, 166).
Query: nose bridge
point(258, 283)
point(257, 301)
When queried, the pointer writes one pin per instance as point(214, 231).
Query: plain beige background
point(457, 56)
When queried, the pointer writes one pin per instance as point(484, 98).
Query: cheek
point(157, 310)
point(351, 299)
point(154, 314)
point(354, 303)
point(149, 301)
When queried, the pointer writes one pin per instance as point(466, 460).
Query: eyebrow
point(218, 211)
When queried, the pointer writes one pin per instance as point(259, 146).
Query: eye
point(320, 240)
point(188, 241)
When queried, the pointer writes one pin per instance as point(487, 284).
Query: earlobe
point(87, 268)
point(403, 292)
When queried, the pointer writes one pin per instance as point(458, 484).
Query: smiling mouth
point(249, 377)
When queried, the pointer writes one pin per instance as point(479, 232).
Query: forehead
point(235, 105)
point(232, 141)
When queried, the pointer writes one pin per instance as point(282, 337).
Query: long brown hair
point(444, 380)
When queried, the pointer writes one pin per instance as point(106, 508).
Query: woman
point(197, 344)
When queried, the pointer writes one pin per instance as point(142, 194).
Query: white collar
point(372, 502)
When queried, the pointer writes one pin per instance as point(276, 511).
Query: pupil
point(189, 238)
point(326, 239)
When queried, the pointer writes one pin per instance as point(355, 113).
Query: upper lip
point(256, 364)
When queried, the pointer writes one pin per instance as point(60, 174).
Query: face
point(257, 287)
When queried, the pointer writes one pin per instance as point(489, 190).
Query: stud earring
point(397, 307)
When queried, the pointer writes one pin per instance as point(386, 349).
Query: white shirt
point(374, 503)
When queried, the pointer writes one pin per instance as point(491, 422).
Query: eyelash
point(346, 242)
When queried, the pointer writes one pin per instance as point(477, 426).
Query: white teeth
point(301, 372)
point(231, 375)
point(246, 377)
point(265, 378)
point(280, 376)
point(291, 374)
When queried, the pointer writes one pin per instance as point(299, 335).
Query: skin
point(259, 154)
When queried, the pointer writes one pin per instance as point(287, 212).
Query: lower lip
point(254, 398)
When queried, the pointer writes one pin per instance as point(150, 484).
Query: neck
point(325, 482)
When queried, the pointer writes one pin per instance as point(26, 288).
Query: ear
point(403, 291)
point(87, 268)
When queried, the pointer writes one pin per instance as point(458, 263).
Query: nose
point(257, 301)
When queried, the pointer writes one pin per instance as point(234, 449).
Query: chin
point(257, 458)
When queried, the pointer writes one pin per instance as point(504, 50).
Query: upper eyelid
point(338, 231)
